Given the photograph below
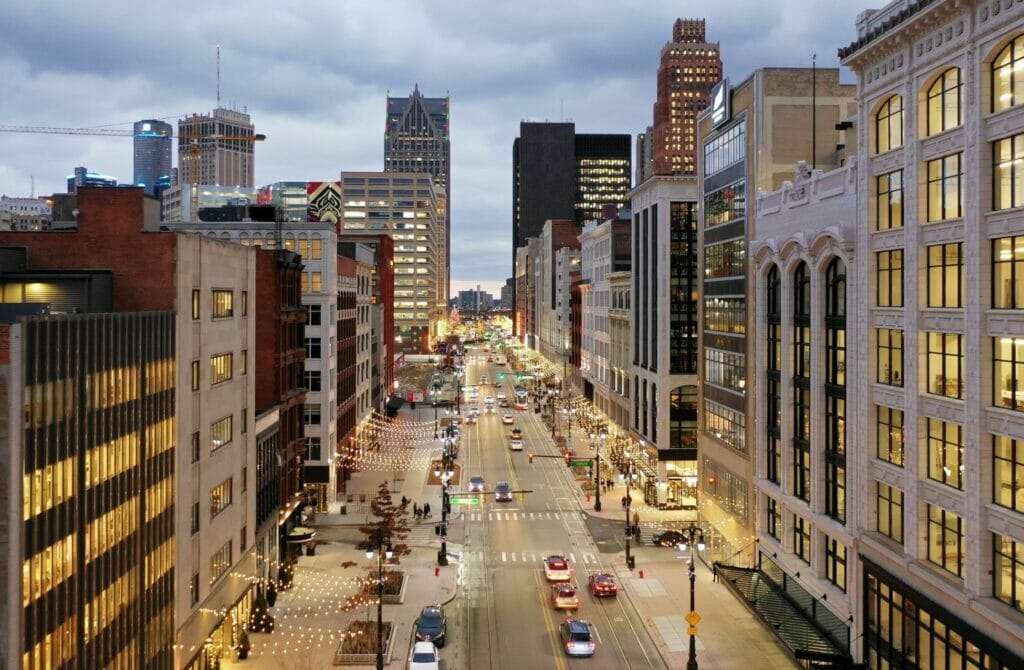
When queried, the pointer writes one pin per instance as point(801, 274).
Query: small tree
point(390, 526)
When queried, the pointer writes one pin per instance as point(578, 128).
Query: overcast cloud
point(314, 75)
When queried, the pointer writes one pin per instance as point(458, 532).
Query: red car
point(602, 584)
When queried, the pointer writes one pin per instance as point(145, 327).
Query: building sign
point(721, 108)
point(324, 201)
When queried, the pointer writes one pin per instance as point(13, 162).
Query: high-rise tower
point(216, 149)
point(416, 139)
point(689, 67)
point(152, 140)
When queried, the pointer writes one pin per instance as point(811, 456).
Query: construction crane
point(117, 132)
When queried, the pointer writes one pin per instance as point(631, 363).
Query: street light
point(597, 470)
point(444, 473)
point(381, 552)
point(630, 560)
point(692, 536)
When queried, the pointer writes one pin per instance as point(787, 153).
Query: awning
point(803, 636)
point(300, 534)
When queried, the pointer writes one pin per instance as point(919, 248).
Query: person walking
point(426, 510)
point(416, 511)
point(623, 502)
point(714, 572)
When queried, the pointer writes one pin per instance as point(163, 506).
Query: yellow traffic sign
point(693, 630)
point(692, 618)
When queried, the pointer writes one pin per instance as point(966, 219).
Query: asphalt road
point(503, 618)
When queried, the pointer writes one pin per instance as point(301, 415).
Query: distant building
point(183, 202)
point(474, 301)
point(153, 144)
point(417, 138)
point(83, 177)
point(644, 161)
point(507, 293)
point(25, 213)
point(217, 149)
point(690, 66)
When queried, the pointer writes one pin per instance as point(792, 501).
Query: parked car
point(602, 584)
point(502, 492)
point(577, 638)
point(432, 625)
point(669, 538)
point(424, 657)
point(563, 597)
point(556, 569)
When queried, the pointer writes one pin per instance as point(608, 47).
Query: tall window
point(312, 413)
point(195, 304)
point(1008, 571)
point(835, 562)
point(1008, 76)
point(683, 288)
point(889, 366)
point(221, 432)
point(312, 380)
point(945, 188)
point(946, 275)
point(221, 368)
point(946, 540)
point(802, 383)
point(802, 538)
point(889, 434)
point(889, 275)
point(1008, 172)
point(220, 561)
point(773, 374)
point(223, 303)
point(945, 371)
point(774, 519)
point(945, 453)
point(220, 497)
point(1008, 273)
point(195, 375)
point(1008, 372)
point(802, 322)
point(835, 390)
point(1008, 472)
point(312, 315)
point(890, 200)
point(889, 125)
point(945, 102)
point(312, 448)
point(889, 511)
point(312, 347)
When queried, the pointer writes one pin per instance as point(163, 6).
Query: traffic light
point(530, 456)
point(566, 455)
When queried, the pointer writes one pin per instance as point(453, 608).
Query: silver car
point(476, 483)
point(502, 492)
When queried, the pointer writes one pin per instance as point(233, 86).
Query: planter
point(346, 655)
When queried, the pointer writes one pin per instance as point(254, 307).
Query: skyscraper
point(217, 149)
point(689, 67)
point(152, 140)
point(416, 139)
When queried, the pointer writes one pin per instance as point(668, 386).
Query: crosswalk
point(534, 558)
point(519, 516)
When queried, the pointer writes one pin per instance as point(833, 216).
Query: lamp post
point(694, 538)
point(444, 473)
point(595, 439)
point(381, 551)
point(630, 561)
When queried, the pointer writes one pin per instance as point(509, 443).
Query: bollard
point(437, 571)
point(641, 574)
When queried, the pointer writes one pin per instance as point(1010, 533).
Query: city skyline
point(596, 70)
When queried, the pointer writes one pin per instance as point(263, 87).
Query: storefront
point(222, 641)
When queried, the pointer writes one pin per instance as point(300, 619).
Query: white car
point(500, 395)
point(424, 657)
point(515, 444)
point(508, 419)
point(556, 569)
point(489, 400)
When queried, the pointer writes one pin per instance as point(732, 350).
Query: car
point(602, 584)
point(500, 395)
point(503, 402)
point(489, 400)
point(556, 569)
point(515, 444)
point(497, 383)
point(563, 597)
point(517, 433)
point(502, 492)
point(476, 483)
point(471, 419)
point(490, 359)
point(669, 538)
point(432, 625)
point(508, 419)
point(424, 657)
point(577, 638)
point(483, 379)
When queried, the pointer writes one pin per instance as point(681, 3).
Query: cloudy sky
point(314, 75)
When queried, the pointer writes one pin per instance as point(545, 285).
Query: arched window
point(801, 481)
point(835, 390)
point(1008, 77)
point(889, 125)
point(945, 102)
point(773, 376)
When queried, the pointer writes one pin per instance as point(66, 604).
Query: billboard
point(324, 201)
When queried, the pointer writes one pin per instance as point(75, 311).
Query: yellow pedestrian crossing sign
point(693, 619)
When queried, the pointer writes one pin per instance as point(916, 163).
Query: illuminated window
point(889, 275)
point(220, 497)
point(889, 364)
point(1008, 273)
point(802, 538)
point(221, 433)
point(945, 537)
point(1008, 172)
point(835, 562)
point(1008, 571)
point(945, 189)
point(223, 304)
point(193, 589)
point(946, 275)
point(945, 453)
point(945, 367)
point(220, 562)
point(221, 368)
point(243, 364)
point(889, 125)
point(889, 511)
point(317, 282)
point(945, 102)
point(316, 252)
point(1008, 372)
point(889, 434)
point(195, 375)
point(195, 304)
point(1008, 76)
point(890, 200)
point(1008, 472)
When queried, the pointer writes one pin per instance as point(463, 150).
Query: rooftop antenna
point(561, 109)
point(33, 177)
point(218, 76)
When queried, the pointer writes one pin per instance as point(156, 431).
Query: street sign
point(464, 500)
point(692, 630)
point(585, 463)
point(693, 619)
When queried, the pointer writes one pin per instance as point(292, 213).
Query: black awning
point(395, 402)
point(801, 635)
point(316, 474)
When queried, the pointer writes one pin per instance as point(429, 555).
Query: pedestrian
point(714, 572)
point(405, 501)
point(426, 510)
point(636, 518)
point(416, 511)
point(623, 502)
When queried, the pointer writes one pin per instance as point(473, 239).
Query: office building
point(82, 177)
point(417, 138)
point(940, 552)
point(507, 291)
point(183, 202)
point(559, 258)
point(644, 160)
point(152, 144)
point(25, 213)
point(217, 149)
point(689, 67)
point(406, 207)
point(620, 377)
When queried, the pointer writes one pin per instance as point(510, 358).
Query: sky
point(315, 75)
